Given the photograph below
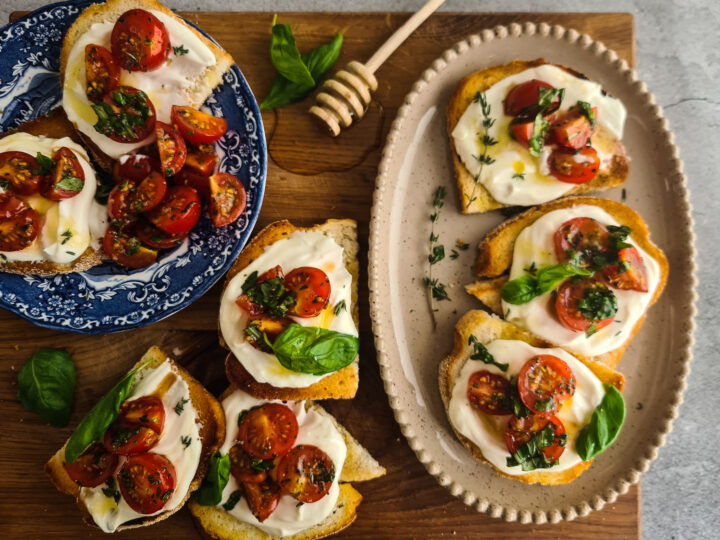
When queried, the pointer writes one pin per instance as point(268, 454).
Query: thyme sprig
point(487, 142)
point(436, 289)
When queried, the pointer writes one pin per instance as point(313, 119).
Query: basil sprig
point(526, 287)
point(104, 413)
point(46, 384)
point(309, 349)
point(604, 426)
point(530, 455)
point(211, 489)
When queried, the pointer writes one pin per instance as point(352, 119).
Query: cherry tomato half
point(522, 100)
point(153, 237)
point(522, 132)
point(67, 178)
point(149, 192)
point(93, 467)
point(489, 392)
point(147, 481)
point(171, 148)
point(146, 411)
point(520, 430)
point(634, 274)
point(137, 428)
point(268, 431)
point(102, 73)
point(268, 325)
point(306, 473)
point(201, 159)
point(566, 305)
point(139, 41)
point(11, 206)
point(125, 115)
point(573, 129)
point(20, 169)
point(544, 382)
point(196, 126)
point(574, 167)
point(312, 289)
point(227, 199)
point(198, 182)
point(119, 205)
point(127, 250)
point(580, 239)
point(241, 466)
point(19, 231)
point(134, 167)
point(178, 212)
point(243, 301)
point(262, 498)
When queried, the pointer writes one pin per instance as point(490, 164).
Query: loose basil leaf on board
point(308, 349)
point(46, 384)
point(604, 426)
point(211, 489)
point(286, 58)
point(524, 288)
point(104, 413)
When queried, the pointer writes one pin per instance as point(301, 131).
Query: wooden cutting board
point(310, 178)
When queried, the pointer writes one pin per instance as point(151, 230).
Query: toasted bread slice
point(211, 425)
point(359, 466)
point(203, 84)
point(54, 125)
point(463, 96)
point(343, 383)
point(495, 254)
point(487, 328)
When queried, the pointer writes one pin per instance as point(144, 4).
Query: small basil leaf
point(211, 489)
point(285, 56)
point(46, 384)
point(308, 349)
point(604, 426)
point(71, 183)
point(519, 290)
point(524, 288)
point(45, 163)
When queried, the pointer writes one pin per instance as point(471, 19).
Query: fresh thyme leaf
point(486, 140)
point(66, 236)
point(180, 406)
point(339, 307)
point(437, 254)
point(519, 175)
point(180, 50)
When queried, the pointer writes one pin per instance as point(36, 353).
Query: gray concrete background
point(678, 56)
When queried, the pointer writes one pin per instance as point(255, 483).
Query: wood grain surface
point(310, 178)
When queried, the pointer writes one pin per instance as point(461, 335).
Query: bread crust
point(211, 426)
point(495, 253)
point(343, 383)
point(463, 96)
point(487, 328)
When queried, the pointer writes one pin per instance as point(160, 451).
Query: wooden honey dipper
point(348, 94)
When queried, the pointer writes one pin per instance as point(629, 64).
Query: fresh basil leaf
point(104, 413)
point(71, 183)
point(46, 384)
point(604, 426)
point(286, 58)
point(537, 140)
point(45, 163)
point(233, 499)
point(320, 59)
point(524, 288)
point(308, 349)
point(481, 353)
point(547, 95)
point(520, 290)
point(211, 489)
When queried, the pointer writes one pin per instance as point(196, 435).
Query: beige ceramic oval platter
point(416, 160)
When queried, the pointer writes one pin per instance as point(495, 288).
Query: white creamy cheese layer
point(487, 431)
point(165, 383)
point(80, 219)
point(302, 248)
point(512, 158)
point(535, 244)
point(168, 85)
point(314, 429)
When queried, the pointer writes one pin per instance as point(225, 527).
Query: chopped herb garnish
point(530, 455)
point(481, 353)
point(271, 294)
point(180, 50)
point(519, 175)
point(185, 440)
point(233, 499)
point(110, 491)
point(586, 110)
point(180, 406)
point(66, 236)
point(339, 307)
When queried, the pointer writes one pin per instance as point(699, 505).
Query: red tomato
point(140, 42)
point(11, 206)
point(67, 178)
point(19, 231)
point(171, 148)
point(633, 277)
point(153, 237)
point(306, 473)
point(20, 169)
point(312, 289)
point(147, 481)
point(196, 126)
point(199, 182)
point(127, 250)
point(128, 440)
point(574, 167)
point(522, 132)
point(268, 325)
point(544, 382)
point(489, 392)
point(262, 498)
point(149, 193)
point(93, 467)
point(523, 99)
point(125, 115)
point(134, 167)
point(268, 431)
point(579, 239)
point(227, 199)
point(241, 466)
point(201, 159)
point(101, 72)
point(573, 129)
point(179, 211)
point(146, 411)
point(566, 305)
point(520, 430)
point(119, 205)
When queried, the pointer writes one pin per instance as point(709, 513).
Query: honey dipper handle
point(401, 34)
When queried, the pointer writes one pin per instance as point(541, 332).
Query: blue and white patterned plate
point(109, 298)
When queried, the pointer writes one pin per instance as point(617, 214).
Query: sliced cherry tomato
point(140, 41)
point(149, 192)
point(201, 159)
point(134, 167)
point(522, 132)
point(129, 440)
point(244, 302)
point(574, 167)
point(489, 392)
point(179, 211)
point(101, 72)
point(67, 178)
point(227, 199)
point(21, 170)
point(522, 100)
point(269, 326)
point(199, 182)
point(268, 431)
point(633, 275)
point(125, 115)
point(11, 206)
point(544, 382)
point(262, 498)
point(276, 272)
point(171, 148)
point(306, 473)
point(153, 237)
point(566, 305)
point(579, 240)
point(196, 126)
point(93, 467)
point(573, 129)
point(147, 481)
point(146, 411)
point(312, 288)
point(119, 205)
point(241, 466)
point(127, 250)
point(19, 231)
point(520, 430)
